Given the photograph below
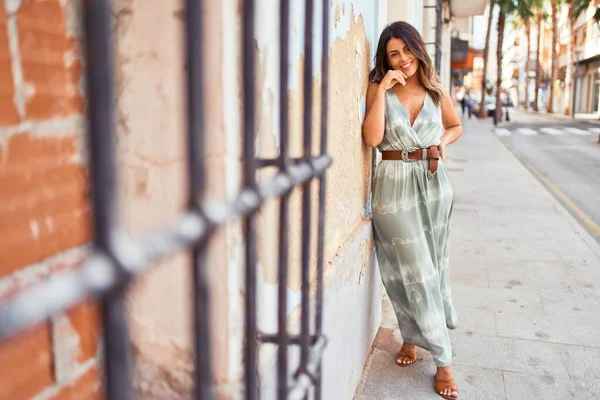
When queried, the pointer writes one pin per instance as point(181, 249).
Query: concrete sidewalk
point(518, 115)
point(526, 285)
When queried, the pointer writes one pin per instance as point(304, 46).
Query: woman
point(411, 121)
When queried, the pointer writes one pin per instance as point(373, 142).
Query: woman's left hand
point(442, 148)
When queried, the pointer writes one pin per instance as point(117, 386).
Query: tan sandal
point(441, 384)
point(410, 357)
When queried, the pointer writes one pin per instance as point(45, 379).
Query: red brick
point(8, 111)
point(44, 205)
point(85, 319)
point(50, 59)
point(26, 364)
point(87, 387)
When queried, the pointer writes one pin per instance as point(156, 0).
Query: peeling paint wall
point(153, 189)
point(351, 270)
point(151, 105)
point(42, 120)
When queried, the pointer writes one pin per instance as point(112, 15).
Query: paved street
point(565, 156)
point(526, 285)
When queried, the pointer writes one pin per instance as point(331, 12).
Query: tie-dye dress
point(411, 219)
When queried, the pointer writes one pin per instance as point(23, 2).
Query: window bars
point(116, 259)
point(439, 4)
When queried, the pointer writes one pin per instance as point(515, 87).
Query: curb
point(562, 118)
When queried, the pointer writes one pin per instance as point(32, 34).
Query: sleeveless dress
point(411, 219)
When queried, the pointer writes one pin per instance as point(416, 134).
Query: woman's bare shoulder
point(447, 99)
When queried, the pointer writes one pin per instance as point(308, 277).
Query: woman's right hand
point(391, 78)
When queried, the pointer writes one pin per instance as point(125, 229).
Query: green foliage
point(579, 6)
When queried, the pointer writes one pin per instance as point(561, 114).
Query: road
point(565, 157)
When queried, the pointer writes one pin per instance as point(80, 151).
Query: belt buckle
point(405, 152)
point(424, 154)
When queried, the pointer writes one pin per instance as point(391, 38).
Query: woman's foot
point(407, 355)
point(444, 383)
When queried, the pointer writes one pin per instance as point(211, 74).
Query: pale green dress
point(411, 219)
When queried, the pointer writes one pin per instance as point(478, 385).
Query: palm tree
point(507, 8)
point(486, 50)
point(523, 19)
point(575, 8)
point(530, 10)
point(527, 61)
point(550, 106)
point(541, 16)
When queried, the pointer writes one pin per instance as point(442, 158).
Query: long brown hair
point(428, 76)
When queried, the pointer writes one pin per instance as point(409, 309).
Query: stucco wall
point(352, 289)
point(152, 155)
point(151, 107)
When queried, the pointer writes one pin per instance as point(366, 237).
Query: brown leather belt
point(431, 153)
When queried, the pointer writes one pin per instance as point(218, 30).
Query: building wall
point(410, 11)
point(43, 164)
point(42, 119)
point(44, 209)
point(352, 285)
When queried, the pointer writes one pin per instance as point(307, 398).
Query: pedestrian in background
point(411, 120)
point(469, 102)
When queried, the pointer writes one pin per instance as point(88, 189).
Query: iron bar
point(322, 182)
point(306, 376)
point(282, 338)
point(195, 102)
point(306, 188)
point(117, 356)
point(276, 162)
point(322, 186)
point(196, 194)
point(100, 112)
point(248, 84)
point(291, 339)
point(438, 37)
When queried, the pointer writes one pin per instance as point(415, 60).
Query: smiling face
point(400, 57)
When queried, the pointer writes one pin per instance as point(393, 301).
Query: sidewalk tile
point(479, 383)
point(508, 354)
point(531, 387)
point(539, 328)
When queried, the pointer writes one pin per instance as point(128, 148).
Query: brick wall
point(44, 209)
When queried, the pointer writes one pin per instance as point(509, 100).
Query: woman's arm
point(452, 125)
point(374, 124)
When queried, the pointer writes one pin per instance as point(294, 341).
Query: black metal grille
point(116, 259)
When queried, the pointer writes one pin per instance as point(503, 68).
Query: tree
point(486, 50)
point(541, 16)
point(550, 106)
point(507, 8)
point(524, 18)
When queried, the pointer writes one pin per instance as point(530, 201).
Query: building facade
point(586, 90)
